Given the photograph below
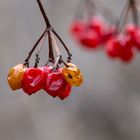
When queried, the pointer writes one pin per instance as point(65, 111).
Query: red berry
point(113, 47)
point(33, 79)
point(104, 31)
point(90, 39)
point(127, 41)
point(65, 93)
point(107, 33)
point(96, 24)
point(47, 69)
point(126, 53)
point(131, 29)
point(77, 28)
point(54, 83)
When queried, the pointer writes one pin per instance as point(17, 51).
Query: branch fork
point(52, 35)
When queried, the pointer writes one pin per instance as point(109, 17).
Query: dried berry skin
point(48, 77)
point(65, 93)
point(72, 75)
point(54, 83)
point(33, 80)
point(15, 76)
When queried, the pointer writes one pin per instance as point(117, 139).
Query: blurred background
point(105, 107)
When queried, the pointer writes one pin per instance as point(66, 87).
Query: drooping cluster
point(92, 33)
point(125, 42)
point(119, 40)
point(124, 46)
point(56, 77)
point(56, 82)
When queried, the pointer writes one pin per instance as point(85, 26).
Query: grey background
point(105, 107)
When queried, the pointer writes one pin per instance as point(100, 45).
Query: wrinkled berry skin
point(54, 83)
point(33, 80)
point(15, 76)
point(72, 75)
point(65, 93)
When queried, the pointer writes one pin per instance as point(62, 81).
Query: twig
point(44, 14)
point(32, 50)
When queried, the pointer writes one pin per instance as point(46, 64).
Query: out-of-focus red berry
point(90, 39)
point(103, 30)
point(126, 54)
point(107, 33)
point(131, 29)
point(97, 24)
point(113, 47)
point(77, 28)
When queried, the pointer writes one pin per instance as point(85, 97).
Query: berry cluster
point(53, 78)
point(119, 41)
point(92, 33)
point(123, 46)
point(56, 82)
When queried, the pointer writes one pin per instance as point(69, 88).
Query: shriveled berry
point(65, 93)
point(33, 80)
point(54, 83)
point(15, 76)
point(72, 75)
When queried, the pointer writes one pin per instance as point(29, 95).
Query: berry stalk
point(123, 17)
point(64, 45)
point(51, 29)
point(51, 54)
point(32, 50)
point(134, 12)
point(44, 14)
